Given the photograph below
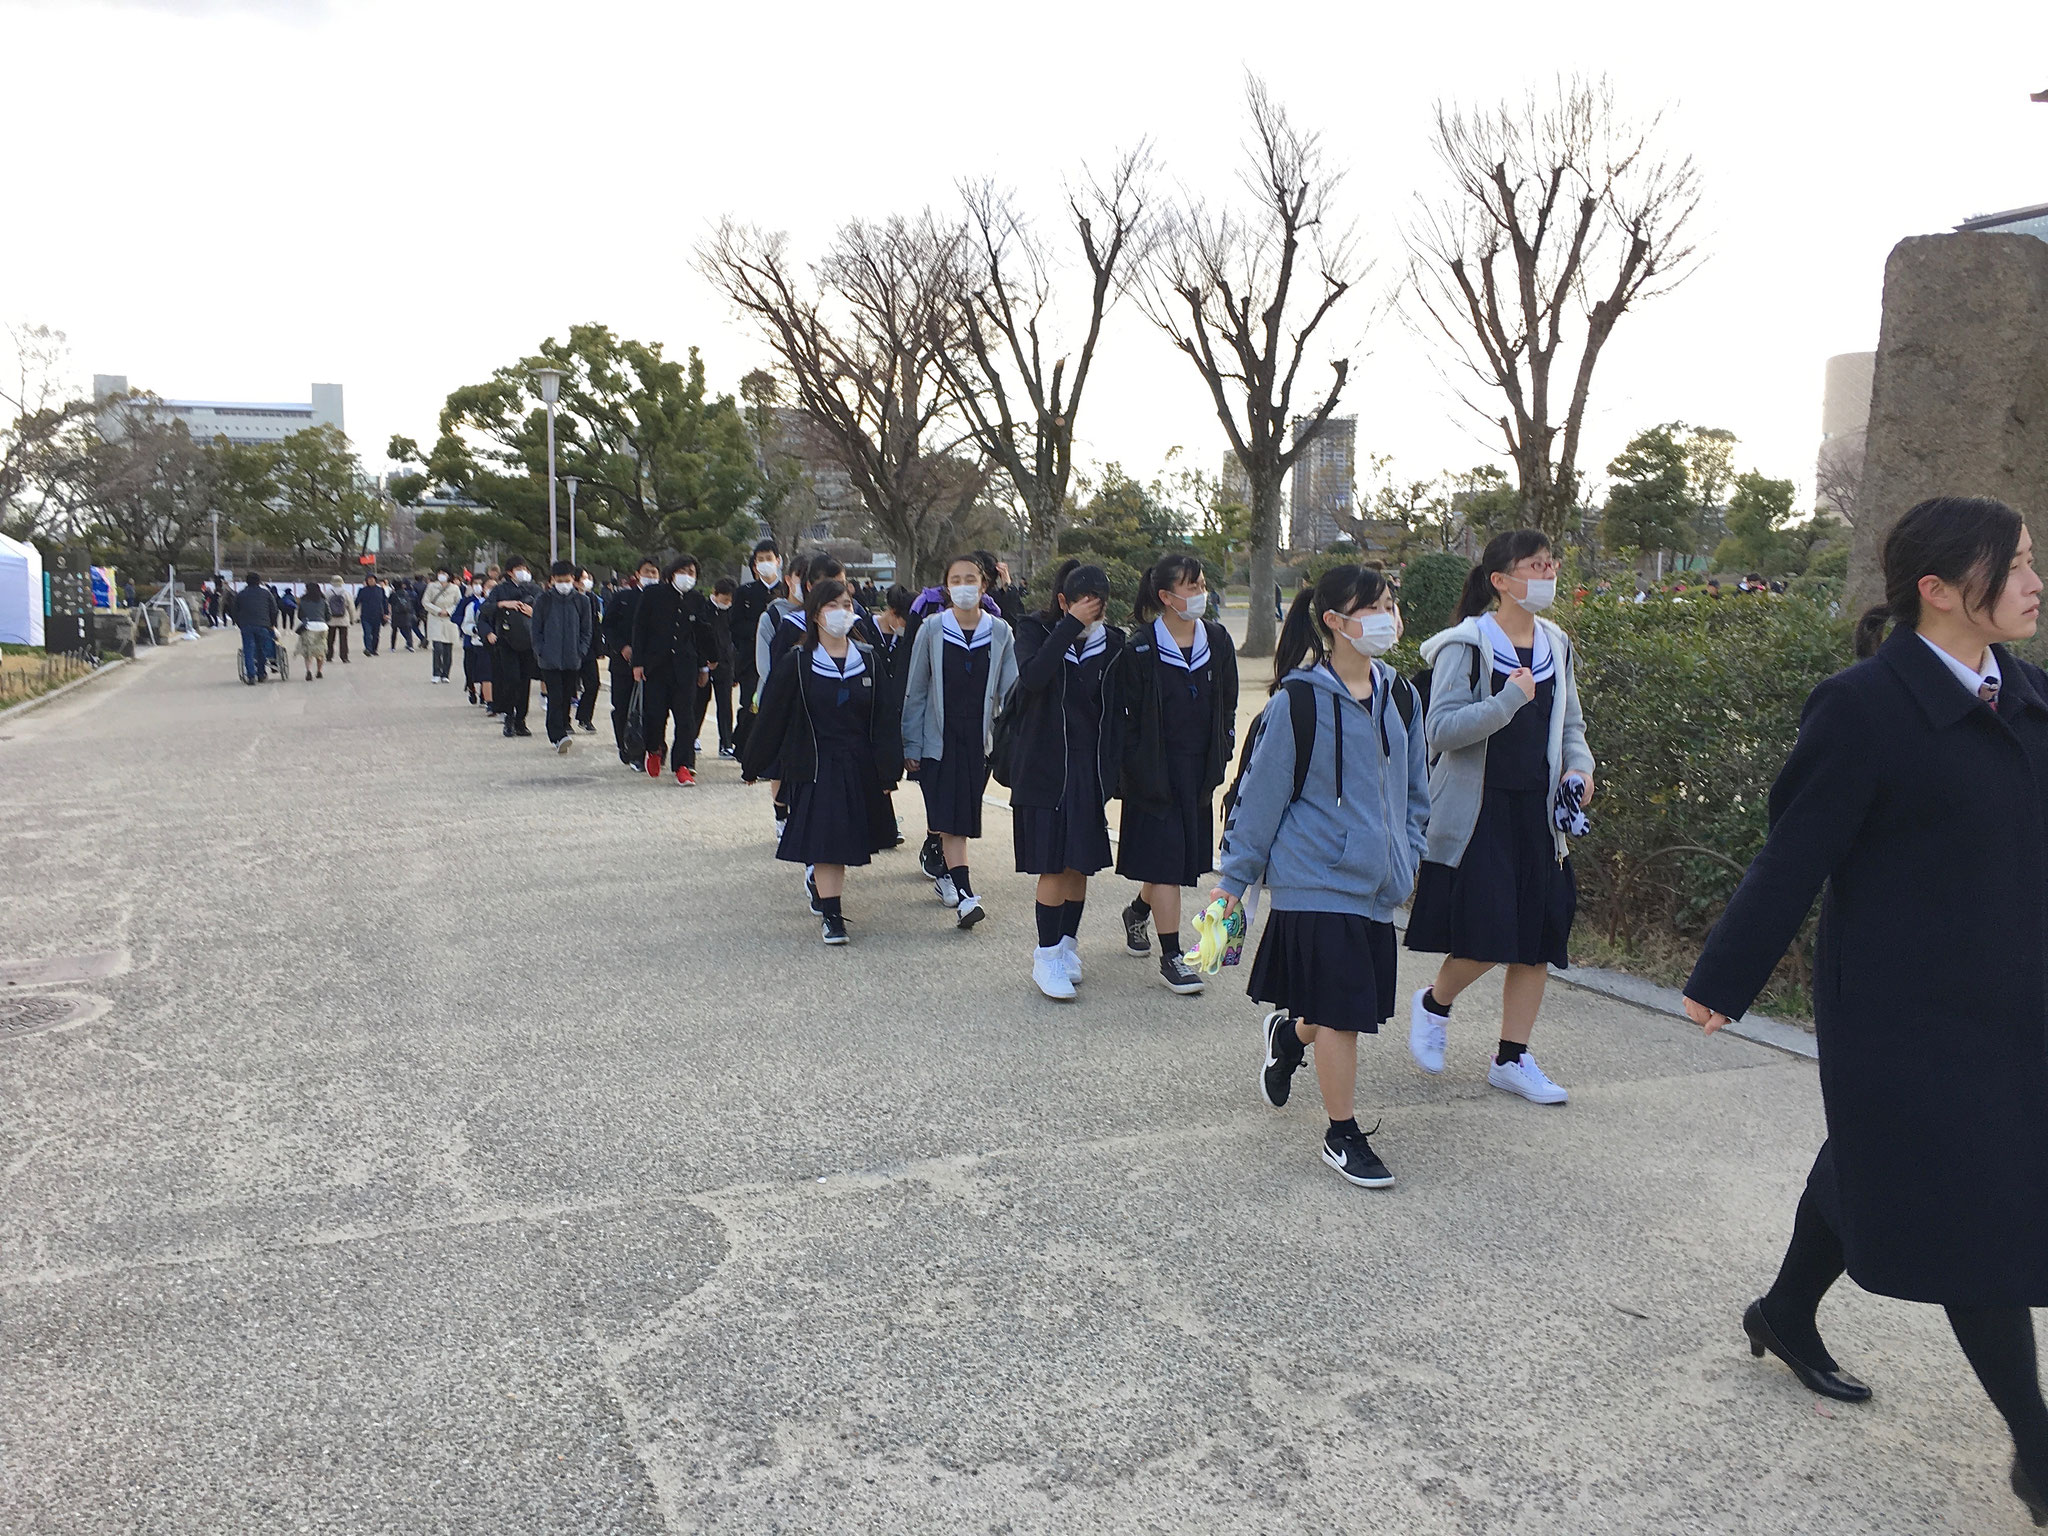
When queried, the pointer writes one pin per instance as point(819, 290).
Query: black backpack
point(1301, 714)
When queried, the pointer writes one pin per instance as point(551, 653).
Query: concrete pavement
point(480, 1140)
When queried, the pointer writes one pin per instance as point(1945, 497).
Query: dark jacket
point(672, 631)
point(402, 606)
point(619, 609)
point(512, 629)
point(562, 626)
point(256, 608)
point(1141, 780)
point(1038, 761)
point(1925, 814)
point(462, 611)
point(747, 606)
point(783, 745)
point(373, 603)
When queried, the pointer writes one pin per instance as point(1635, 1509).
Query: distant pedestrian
point(672, 648)
point(403, 622)
point(440, 600)
point(256, 616)
point(562, 630)
point(507, 622)
point(619, 609)
point(587, 680)
point(764, 572)
point(476, 656)
point(373, 606)
point(718, 686)
point(341, 614)
point(311, 648)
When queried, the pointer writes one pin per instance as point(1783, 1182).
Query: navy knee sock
point(1048, 925)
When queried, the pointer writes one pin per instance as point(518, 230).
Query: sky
point(230, 199)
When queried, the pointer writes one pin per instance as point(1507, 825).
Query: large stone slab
point(1960, 402)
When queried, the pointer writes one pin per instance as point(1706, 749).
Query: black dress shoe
point(1829, 1382)
point(2030, 1496)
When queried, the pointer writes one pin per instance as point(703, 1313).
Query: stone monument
point(1959, 401)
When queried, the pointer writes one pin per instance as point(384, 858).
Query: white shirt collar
point(1969, 677)
point(1169, 648)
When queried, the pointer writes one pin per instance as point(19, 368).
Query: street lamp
point(572, 515)
point(550, 392)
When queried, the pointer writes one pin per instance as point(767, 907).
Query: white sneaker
point(562, 747)
point(1523, 1076)
point(948, 895)
point(1426, 1036)
point(1070, 950)
point(1049, 971)
point(969, 912)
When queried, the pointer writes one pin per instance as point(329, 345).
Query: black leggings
point(1997, 1341)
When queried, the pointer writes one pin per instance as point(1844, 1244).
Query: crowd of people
point(1914, 796)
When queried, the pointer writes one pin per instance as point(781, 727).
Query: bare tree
point(1243, 295)
point(1009, 391)
point(45, 439)
point(1561, 215)
point(1838, 480)
point(859, 338)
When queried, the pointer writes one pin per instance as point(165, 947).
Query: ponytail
point(1301, 640)
point(1502, 553)
point(1870, 628)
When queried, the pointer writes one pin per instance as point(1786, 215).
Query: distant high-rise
point(240, 421)
point(1844, 420)
point(1236, 485)
point(1323, 477)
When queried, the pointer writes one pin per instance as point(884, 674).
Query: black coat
point(783, 745)
point(672, 631)
point(1038, 755)
point(256, 608)
point(617, 627)
point(562, 626)
point(1925, 813)
point(748, 604)
point(372, 603)
point(1141, 780)
point(514, 630)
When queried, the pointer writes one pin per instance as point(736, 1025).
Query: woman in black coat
point(1918, 793)
point(1063, 759)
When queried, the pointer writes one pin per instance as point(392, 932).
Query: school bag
point(1002, 751)
point(1301, 714)
point(337, 606)
point(636, 727)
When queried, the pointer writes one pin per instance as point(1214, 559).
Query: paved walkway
point(481, 1141)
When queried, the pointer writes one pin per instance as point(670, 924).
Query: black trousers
point(586, 691)
point(671, 695)
point(719, 688)
point(512, 688)
point(444, 657)
point(743, 717)
point(622, 699)
point(561, 682)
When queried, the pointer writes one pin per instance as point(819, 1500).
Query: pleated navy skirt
point(1179, 847)
point(1508, 900)
point(1334, 969)
point(840, 818)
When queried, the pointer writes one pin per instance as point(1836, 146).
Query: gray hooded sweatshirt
point(1462, 717)
point(1353, 841)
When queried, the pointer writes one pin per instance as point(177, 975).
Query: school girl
point(1063, 762)
point(1496, 886)
point(1336, 834)
point(963, 664)
point(1914, 796)
point(1176, 688)
point(828, 729)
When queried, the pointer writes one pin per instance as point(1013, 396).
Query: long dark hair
point(816, 597)
point(1500, 555)
point(1168, 572)
point(1968, 541)
point(1305, 640)
point(1068, 566)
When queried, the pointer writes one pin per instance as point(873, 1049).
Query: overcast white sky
point(232, 198)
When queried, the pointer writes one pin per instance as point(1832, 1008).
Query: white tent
point(21, 593)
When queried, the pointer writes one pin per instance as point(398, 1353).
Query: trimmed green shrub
point(1429, 591)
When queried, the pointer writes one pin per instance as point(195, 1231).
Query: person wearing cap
point(1062, 762)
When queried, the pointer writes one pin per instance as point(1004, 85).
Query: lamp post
point(572, 515)
point(550, 392)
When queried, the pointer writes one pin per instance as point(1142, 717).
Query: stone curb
point(1756, 1027)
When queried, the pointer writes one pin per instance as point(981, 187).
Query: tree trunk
point(1264, 541)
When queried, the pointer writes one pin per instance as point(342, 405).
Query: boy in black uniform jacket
point(617, 633)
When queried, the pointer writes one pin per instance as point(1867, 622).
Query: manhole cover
point(550, 781)
point(31, 1013)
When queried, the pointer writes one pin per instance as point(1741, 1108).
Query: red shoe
point(654, 765)
point(684, 776)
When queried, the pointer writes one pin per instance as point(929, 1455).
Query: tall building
point(2014, 221)
point(1235, 484)
point(240, 421)
point(1323, 478)
point(1844, 418)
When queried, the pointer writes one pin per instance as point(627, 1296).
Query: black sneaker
point(811, 886)
point(835, 930)
point(520, 730)
point(1284, 1052)
point(1137, 940)
point(1178, 975)
point(932, 857)
point(1352, 1155)
point(508, 729)
point(726, 751)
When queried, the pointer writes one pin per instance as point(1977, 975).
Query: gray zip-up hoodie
point(1353, 841)
point(1462, 717)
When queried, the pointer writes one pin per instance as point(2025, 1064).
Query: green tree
point(150, 489)
point(1486, 501)
point(662, 461)
point(324, 501)
point(1650, 505)
point(1758, 515)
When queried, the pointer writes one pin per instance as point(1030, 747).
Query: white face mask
point(520, 577)
point(1377, 633)
point(1197, 606)
point(769, 572)
point(650, 581)
point(685, 581)
point(837, 622)
point(965, 596)
point(796, 591)
point(587, 583)
point(442, 578)
point(1542, 593)
point(725, 607)
point(565, 587)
